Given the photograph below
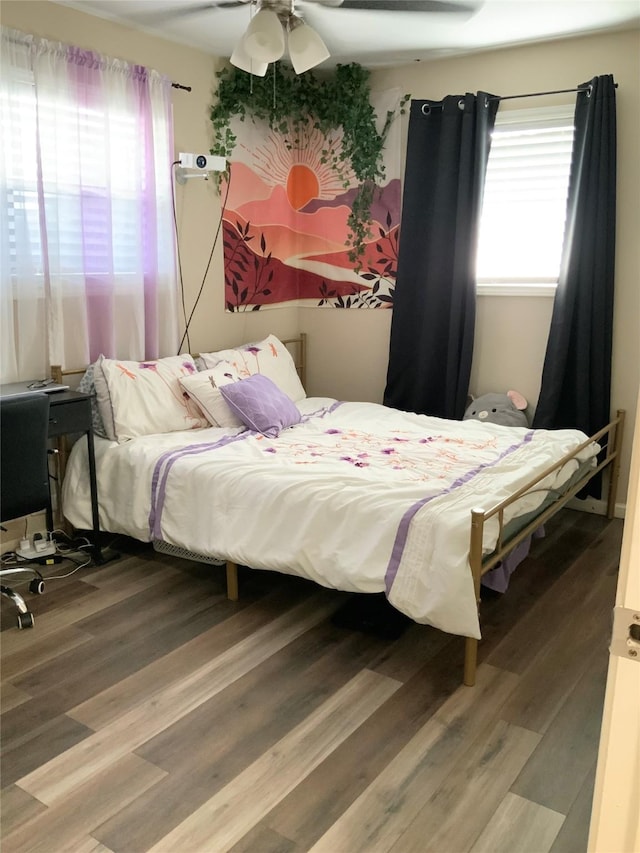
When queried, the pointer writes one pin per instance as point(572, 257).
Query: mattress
point(357, 497)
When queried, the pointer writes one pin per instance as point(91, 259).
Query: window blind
point(525, 197)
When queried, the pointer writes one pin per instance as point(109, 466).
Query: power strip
point(38, 547)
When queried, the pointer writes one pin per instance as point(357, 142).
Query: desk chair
point(24, 481)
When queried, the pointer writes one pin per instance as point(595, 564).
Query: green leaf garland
point(289, 102)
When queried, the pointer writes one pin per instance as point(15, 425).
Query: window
point(93, 180)
point(525, 198)
point(87, 261)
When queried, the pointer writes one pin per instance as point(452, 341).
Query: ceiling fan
point(277, 25)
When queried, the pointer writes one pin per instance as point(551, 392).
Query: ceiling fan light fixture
point(264, 38)
point(241, 59)
point(306, 48)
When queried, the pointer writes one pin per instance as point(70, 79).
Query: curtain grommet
point(461, 104)
point(426, 109)
point(589, 90)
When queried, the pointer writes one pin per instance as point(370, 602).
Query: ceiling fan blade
point(409, 5)
point(160, 15)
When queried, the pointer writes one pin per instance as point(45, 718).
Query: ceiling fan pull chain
point(274, 87)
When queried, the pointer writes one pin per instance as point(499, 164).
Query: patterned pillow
point(269, 357)
point(261, 405)
point(145, 397)
point(204, 388)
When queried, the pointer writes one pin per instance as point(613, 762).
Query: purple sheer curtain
point(93, 210)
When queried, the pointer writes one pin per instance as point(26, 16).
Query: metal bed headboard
point(297, 346)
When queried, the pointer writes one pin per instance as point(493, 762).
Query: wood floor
point(144, 711)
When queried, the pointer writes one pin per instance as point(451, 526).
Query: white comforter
point(357, 497)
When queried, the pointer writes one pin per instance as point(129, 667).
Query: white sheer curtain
point(87, 250)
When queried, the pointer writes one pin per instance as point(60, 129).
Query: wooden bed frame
point(609, 437)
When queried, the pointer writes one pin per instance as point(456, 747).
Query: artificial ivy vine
point(290, 103)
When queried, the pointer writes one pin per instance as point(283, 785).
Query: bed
point(351, 495)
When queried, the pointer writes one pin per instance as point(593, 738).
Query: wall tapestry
point(286, 230)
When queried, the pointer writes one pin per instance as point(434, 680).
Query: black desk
point(69, 413)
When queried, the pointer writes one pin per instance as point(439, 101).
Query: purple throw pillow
point(260, 404)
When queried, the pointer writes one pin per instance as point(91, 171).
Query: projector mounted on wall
point(204, 162)
point(199, 164)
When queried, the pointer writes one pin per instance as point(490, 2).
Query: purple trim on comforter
point(403, 527)
point(164, 465)
point(168, 459)
point(320, 413)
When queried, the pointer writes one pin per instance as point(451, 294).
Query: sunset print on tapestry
point(285, 223)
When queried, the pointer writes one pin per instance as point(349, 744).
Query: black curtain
point(433, 321)
point(576, 378)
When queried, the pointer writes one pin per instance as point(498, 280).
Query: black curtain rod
point(538, 94)
point(427, 108)
point(180, 86)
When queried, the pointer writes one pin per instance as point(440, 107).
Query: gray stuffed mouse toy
point(504, 409)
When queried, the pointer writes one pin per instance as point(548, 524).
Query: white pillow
point(269, 357)
point(145, 397)
point(203, 388)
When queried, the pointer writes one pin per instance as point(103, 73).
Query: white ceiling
point(377, 37)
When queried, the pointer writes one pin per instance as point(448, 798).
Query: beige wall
point(348, 349)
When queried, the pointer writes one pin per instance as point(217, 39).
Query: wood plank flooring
point(146, 712)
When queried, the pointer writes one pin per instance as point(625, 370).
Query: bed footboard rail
point(610, 437)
